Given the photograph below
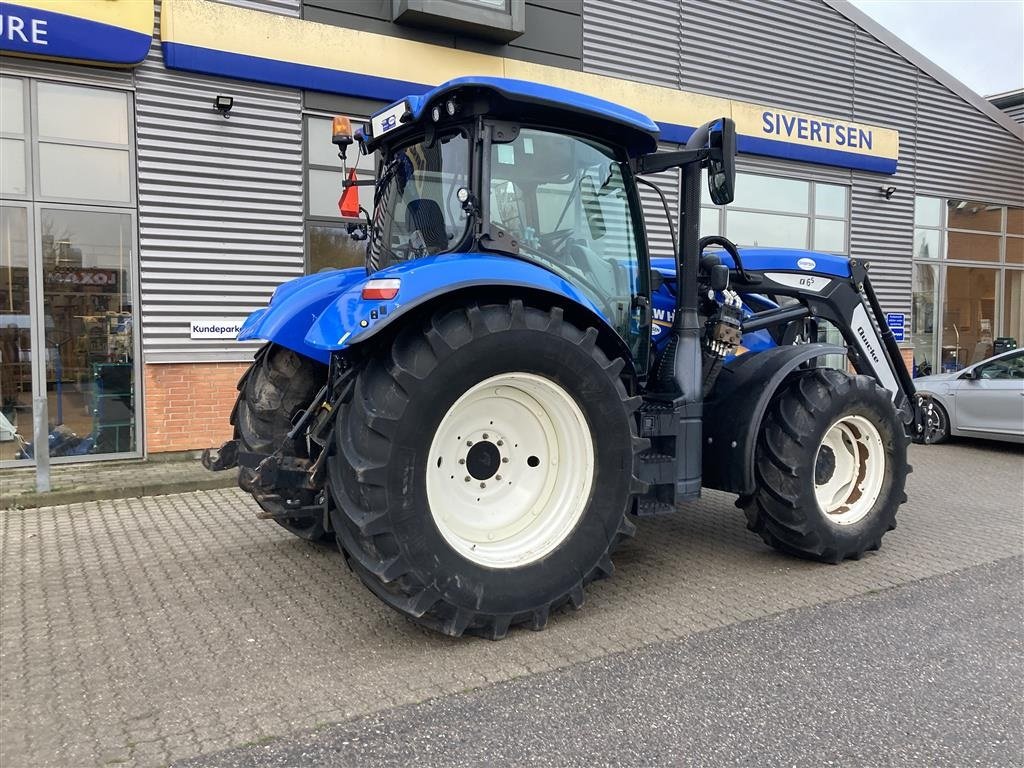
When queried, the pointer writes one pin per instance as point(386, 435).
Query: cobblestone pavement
point(142, 631)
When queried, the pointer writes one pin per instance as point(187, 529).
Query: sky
point(979, 42)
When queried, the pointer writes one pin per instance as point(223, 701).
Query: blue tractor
point(478, 415)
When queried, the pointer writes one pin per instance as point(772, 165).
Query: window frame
point(811, 216)
point(943, 262)
point(34, 203)
point(309, 219)
point(128, 148)
point(26, 138)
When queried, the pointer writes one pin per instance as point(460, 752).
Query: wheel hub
point(510, 470)
point(849, 469)
point(483, 460)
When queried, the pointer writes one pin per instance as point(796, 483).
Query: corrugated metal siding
point(220, 204)
point(961, 152)
point(882, 231)
point(1017, 113)
point(638, 41)
point(787, 53)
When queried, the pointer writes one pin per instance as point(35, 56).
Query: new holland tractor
point(478, 415)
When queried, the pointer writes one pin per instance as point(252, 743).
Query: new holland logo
point(807, 264)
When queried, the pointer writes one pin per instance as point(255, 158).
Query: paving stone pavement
point(143, 631)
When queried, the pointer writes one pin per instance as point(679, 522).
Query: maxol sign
point(109, 32)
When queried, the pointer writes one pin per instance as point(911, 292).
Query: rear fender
point(350, 319)
point(735, 409)
point(295, 306)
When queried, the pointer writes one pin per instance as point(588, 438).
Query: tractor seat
point(425, 215)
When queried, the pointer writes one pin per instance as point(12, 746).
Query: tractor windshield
point(416, 212)
point(565, 200)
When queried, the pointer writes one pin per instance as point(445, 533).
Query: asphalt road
point(926, 674)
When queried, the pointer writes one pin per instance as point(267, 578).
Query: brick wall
point(188, 404)
point(908, 358)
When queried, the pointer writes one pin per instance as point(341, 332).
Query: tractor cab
point(532, 172)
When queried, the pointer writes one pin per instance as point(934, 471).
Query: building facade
point(140, 223)
point(1011, 102)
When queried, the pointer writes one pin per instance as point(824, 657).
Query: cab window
point(565, 201)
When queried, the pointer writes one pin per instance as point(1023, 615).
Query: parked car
point(985, 399)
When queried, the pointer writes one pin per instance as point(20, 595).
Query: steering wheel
point(553, 241)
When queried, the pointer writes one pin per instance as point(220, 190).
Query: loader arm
point(786, 287)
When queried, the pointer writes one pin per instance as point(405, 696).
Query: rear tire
point(280, 384)
point(435, 419)
point(830, 467)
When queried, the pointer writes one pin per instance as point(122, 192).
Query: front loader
point(479, 414)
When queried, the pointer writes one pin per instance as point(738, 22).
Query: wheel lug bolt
point(469, 442)
point(483, 485)
point(504, 459)
point(462, 461)
point(497, 477)
point(485, 435)
point(467, 478)
point(501, 442)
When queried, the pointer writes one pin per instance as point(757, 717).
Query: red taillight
point(378, 290)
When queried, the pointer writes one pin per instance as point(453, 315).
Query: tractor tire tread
point(359, 465)
point(782, 510)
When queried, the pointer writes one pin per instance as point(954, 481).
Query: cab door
point(991, 400)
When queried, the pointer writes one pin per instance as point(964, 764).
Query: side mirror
point(722, 162)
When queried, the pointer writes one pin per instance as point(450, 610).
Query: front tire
point(435, 419)
point(830, 467)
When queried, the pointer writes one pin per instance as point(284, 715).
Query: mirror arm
point(662, 161)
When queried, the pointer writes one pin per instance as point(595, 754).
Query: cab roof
point(524, 101)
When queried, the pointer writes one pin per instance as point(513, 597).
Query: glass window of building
point(772, 212)
point(13, 138)
point(329, 242)
point(67, 255)
point(966, 289)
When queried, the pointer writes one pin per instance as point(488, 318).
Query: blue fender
point(294, 307)
point(351, 319)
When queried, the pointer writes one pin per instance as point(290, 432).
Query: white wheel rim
point(530, 433)
point(853, 450)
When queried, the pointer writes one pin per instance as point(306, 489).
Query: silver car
point(983, 400)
